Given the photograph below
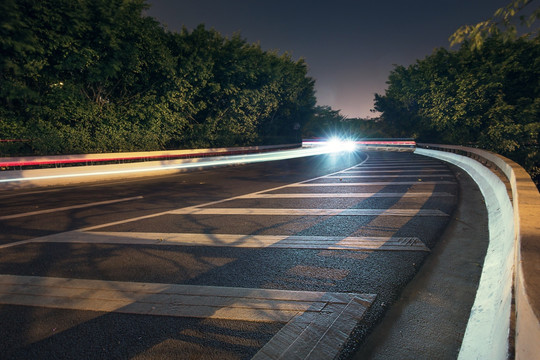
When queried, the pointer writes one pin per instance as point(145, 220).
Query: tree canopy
point(486, 96)
point(504, 24)
point(79, 76)
point(327, 122)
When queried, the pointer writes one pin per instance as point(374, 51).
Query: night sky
point(349, 46)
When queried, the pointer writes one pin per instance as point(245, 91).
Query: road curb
point(525, 211)
point(430, 316)
point(488, 327)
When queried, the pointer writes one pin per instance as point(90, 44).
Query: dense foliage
point(80, 76)
point(327, 122)
point(504, 24)
point(486, 96)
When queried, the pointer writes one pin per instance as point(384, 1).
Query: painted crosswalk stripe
point(311, 317)
point(347, 176)
point(164, 299)
point(319, 336)
point(238, 240)
point(404, 167)
point(414, 171)
point(400, 163)
point(345, 195)
point(405, 162)
point(374, 183)
point(308, 212)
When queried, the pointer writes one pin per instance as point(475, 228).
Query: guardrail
point(525, 265)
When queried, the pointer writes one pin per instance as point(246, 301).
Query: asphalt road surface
point(296, 258)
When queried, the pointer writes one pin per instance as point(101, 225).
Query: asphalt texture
point(429, 318)
point(47, 333)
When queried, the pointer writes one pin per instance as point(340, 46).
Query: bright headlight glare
point(349, 145)
point(339, 145)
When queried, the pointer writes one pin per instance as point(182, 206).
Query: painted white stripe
point(403, 167)
point(317, 322)
point(340, 176)
point(242, 241)
point(378, 183)
point(319, 336)
point(309, 212)
point(345, 195)
point(404, 163)
point(81, 206)
point(429, 171)
point(407, 162)
point(229, 303)
point(206, 204)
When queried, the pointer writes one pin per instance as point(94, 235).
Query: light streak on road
point(221, 161)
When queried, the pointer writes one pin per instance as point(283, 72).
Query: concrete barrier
point(519, 252)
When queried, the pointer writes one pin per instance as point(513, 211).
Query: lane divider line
point(65, 208)
point(206, 204)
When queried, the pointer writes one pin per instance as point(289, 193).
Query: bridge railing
point(525, 200)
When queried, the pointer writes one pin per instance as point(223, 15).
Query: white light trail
point(222, 161)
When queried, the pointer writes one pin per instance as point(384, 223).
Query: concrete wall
point(514, 247)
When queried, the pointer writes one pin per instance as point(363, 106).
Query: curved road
point(286, 258)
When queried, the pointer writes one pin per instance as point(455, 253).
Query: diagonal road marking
point(80, 206)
